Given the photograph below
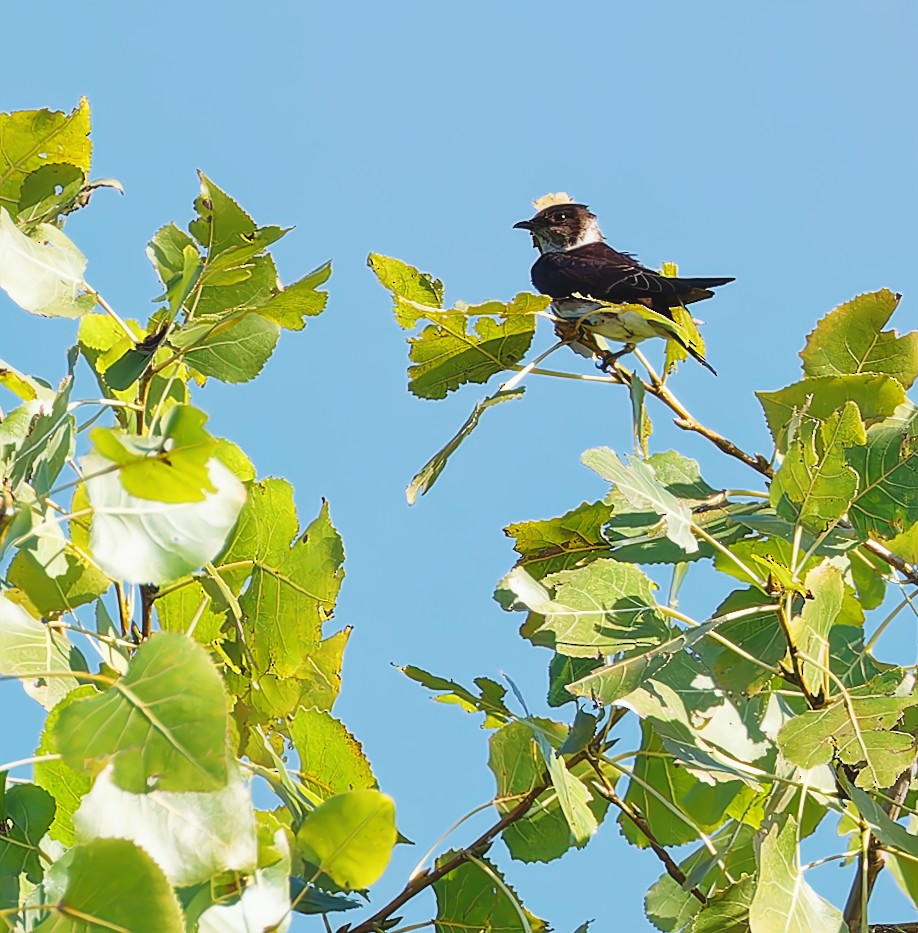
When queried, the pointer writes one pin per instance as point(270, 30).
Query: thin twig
point(427, 878)
point(870, 865)
point(672, 869)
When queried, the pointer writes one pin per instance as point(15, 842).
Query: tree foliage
point(140, 536)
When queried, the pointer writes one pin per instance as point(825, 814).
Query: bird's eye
point(561, 216)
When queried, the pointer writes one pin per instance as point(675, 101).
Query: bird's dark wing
point(598, 271)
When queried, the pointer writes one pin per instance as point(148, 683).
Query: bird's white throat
point(590, 234)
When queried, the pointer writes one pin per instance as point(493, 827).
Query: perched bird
point(577, 265)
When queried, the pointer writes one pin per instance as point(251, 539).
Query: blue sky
point(776, 143)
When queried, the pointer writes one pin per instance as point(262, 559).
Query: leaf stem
point(112, 313)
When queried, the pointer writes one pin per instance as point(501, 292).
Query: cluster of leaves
point(768, 714)
point(191, 579)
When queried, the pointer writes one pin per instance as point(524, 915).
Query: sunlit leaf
point(598, 609)
point(409, 287)
point(108, 885)
point(428, 474)
point(887, 498)
point(191, 836)
point(815, 484)
point(783, 901)
point(350, 837)
point(489, 699)
point(156, 731)
point(65, 784)
point(869, 741)
point(332, 761)
point(33, 139)
point(140, 540)
point(299, 300)
point(41, 656)
point(229, 349)
point(294, 577)
point(637, 482)
point(474, 896)
point(42, 272)
point(28, 811)
point(850, 339)
point(820, 396)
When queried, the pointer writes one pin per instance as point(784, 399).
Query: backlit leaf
point(156, 731)
point(850, 339)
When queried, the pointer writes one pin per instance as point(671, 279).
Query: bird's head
point(561, 227)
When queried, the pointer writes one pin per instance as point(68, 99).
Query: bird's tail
point(694, 353)
point(707, 283)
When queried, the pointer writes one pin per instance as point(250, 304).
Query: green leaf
point(810, 630)
point(783, 902)
point(681, 805)
point(45, 661)
point(640, 420)
point(108, 885)
point(48, 594)
point(299, 300)
point(474, 896)
point(192, 836)
point(258, 901)
point(887, 499)
point(601, 608)
point(561, 543)
point(449, 353)
point(408, 286)
point(850, 339)
point(820, 396)
point(177, 262)
point(732, 855)
point(38, 438)
point(563, 671)
point(758, 634)
point(350, 837)
point(320, 679)
point(66, 785)
point(140, 540)
point(518, 762)
point(156, 732)
point(489, 699)
point(291, 588)
point(229, 349)
point(573, 796)
point(28, 811)
point(869, 742)
point(638, 483)
point(220, 222)
point(728, 910)
point(891, 834)
point(168, 467)
point(191, 610)
point(42, 272)
point(331, 759)
point(33, 139)
point(852, 663)
point(815, 485)
point(428, 474)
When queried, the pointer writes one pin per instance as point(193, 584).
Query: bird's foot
point(607, 359)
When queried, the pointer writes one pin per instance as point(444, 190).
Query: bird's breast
point(624, 326)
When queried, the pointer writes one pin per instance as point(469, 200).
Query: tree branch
point(672, 869)
point(427, 877)
point(872, 864)
point(685, 420)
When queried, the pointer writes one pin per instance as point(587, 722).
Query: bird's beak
point(523, 225)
